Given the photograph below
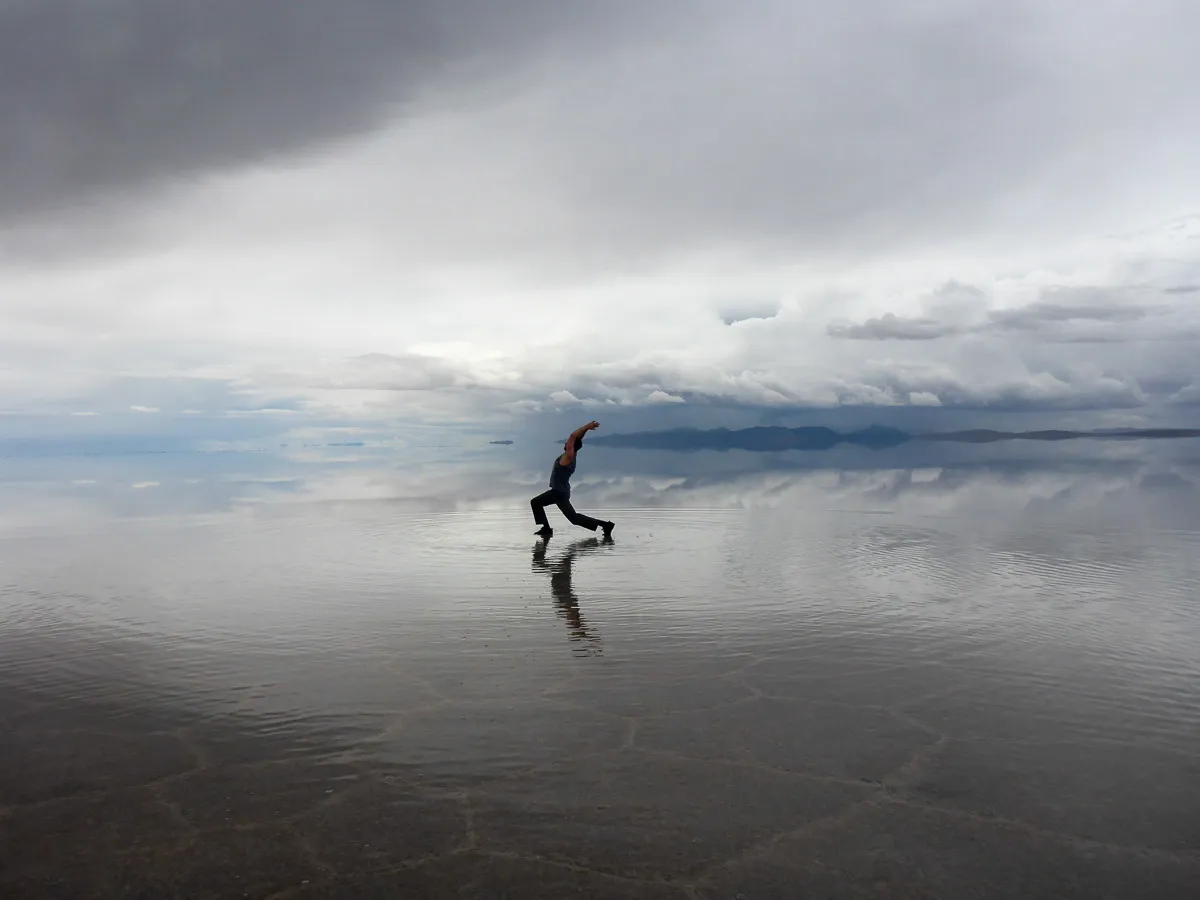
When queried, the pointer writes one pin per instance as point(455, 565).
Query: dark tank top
point(560, 476)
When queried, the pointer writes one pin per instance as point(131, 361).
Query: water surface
point(251, 676)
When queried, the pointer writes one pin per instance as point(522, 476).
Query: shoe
point(545, 531)
point(608, 527)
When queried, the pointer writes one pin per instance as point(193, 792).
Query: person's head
point(578, 444)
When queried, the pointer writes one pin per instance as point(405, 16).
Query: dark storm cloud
point(1037, 315)
point(592, 136)
point(103, 94)
point(890, 327)
point(1188, 396)
point(1067, 315)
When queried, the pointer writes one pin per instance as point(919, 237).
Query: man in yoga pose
point(560, 489)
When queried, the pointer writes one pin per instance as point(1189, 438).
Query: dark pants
point(563, 502)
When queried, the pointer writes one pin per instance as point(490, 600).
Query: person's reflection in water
point(565, 599)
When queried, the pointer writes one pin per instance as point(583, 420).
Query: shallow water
point(376, 681)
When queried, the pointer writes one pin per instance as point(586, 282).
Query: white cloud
point(657, 397)
point(144, 409)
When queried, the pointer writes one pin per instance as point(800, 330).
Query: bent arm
point(577, 434)
point(584, 429)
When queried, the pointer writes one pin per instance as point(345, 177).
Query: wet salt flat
point(956, 682)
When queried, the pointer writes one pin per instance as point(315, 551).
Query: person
point(560, 489)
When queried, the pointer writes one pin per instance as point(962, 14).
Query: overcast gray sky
point(382, 211)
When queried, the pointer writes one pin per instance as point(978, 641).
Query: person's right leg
point(539, 504)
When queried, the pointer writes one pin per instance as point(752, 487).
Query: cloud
point(110, 94)
point(1186, 396)
point(390, 372)
point(890, 327)
point(1029, 391)
point(1090, 314)
point(289, 213)
point(1037, 315)
point(144, 409)
point(657, 397)
point(924, 398)
point(746, 311)
point(952, 309)
point(495, 126)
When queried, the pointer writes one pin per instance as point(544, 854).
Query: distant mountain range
point(768, 438)
point(984, 436)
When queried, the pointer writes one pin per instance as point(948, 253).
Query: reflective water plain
point(345, 676)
